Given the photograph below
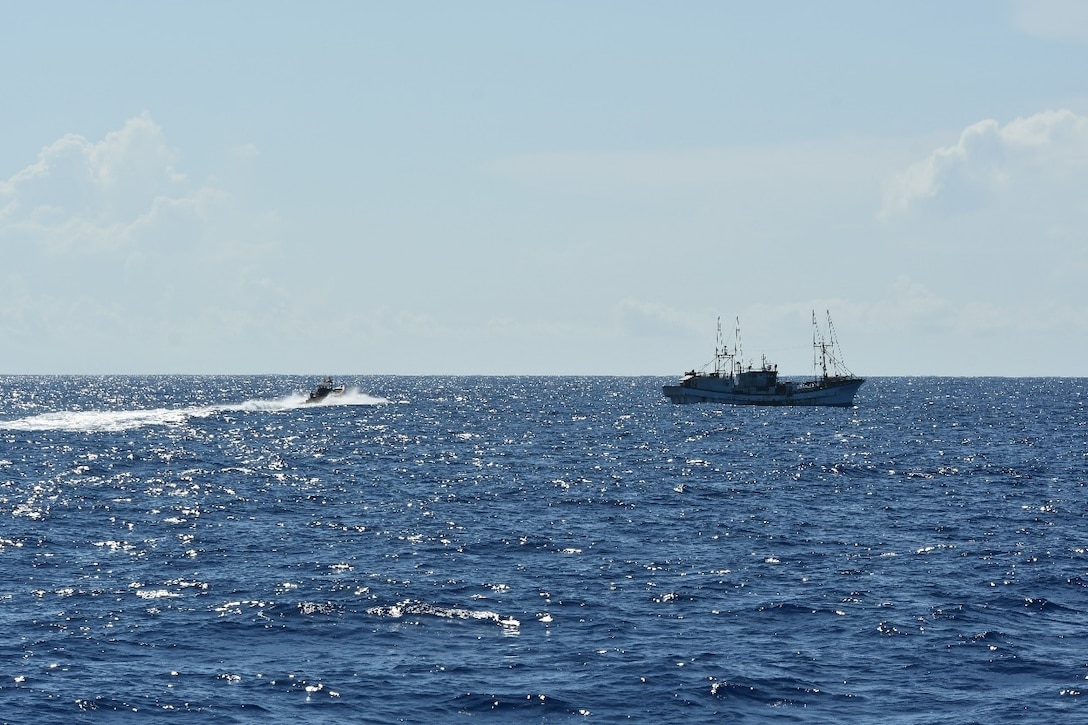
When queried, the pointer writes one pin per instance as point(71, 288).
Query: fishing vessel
point(733, 383)
point(324, 389)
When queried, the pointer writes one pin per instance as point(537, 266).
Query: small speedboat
point(324, 389)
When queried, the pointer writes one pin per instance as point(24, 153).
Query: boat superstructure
point(324, 389)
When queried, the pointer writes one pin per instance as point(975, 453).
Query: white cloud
point(649, 319)
point(110, 249)
point(81, 194)
point(1030, 163)
point(1062, 19)
point(245, 152)
point(986, 238)
point(123, 199)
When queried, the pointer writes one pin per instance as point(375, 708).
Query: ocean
point(540, 550)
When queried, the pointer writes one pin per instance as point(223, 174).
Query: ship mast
point(722, 356)
point(819, 349)
point(823, 349)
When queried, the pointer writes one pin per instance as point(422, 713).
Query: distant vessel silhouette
point(732, 383)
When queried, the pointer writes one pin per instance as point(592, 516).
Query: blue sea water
point(546, 550)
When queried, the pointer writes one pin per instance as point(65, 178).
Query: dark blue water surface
point(209, 549)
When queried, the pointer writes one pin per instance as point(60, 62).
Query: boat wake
point(90, 421)
point(107, 421)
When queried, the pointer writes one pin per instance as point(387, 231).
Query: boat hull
point(712, 389)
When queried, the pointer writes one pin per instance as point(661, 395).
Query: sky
point(542, 188)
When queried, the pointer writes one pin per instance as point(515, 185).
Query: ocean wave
point(416, 608)
point(531, 704)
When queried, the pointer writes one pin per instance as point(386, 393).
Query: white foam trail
point(99, 420)
point(90, 421)
point(260, 405)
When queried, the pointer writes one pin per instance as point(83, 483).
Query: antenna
point(719, 349)
point(815, 329)
point(738, 349)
